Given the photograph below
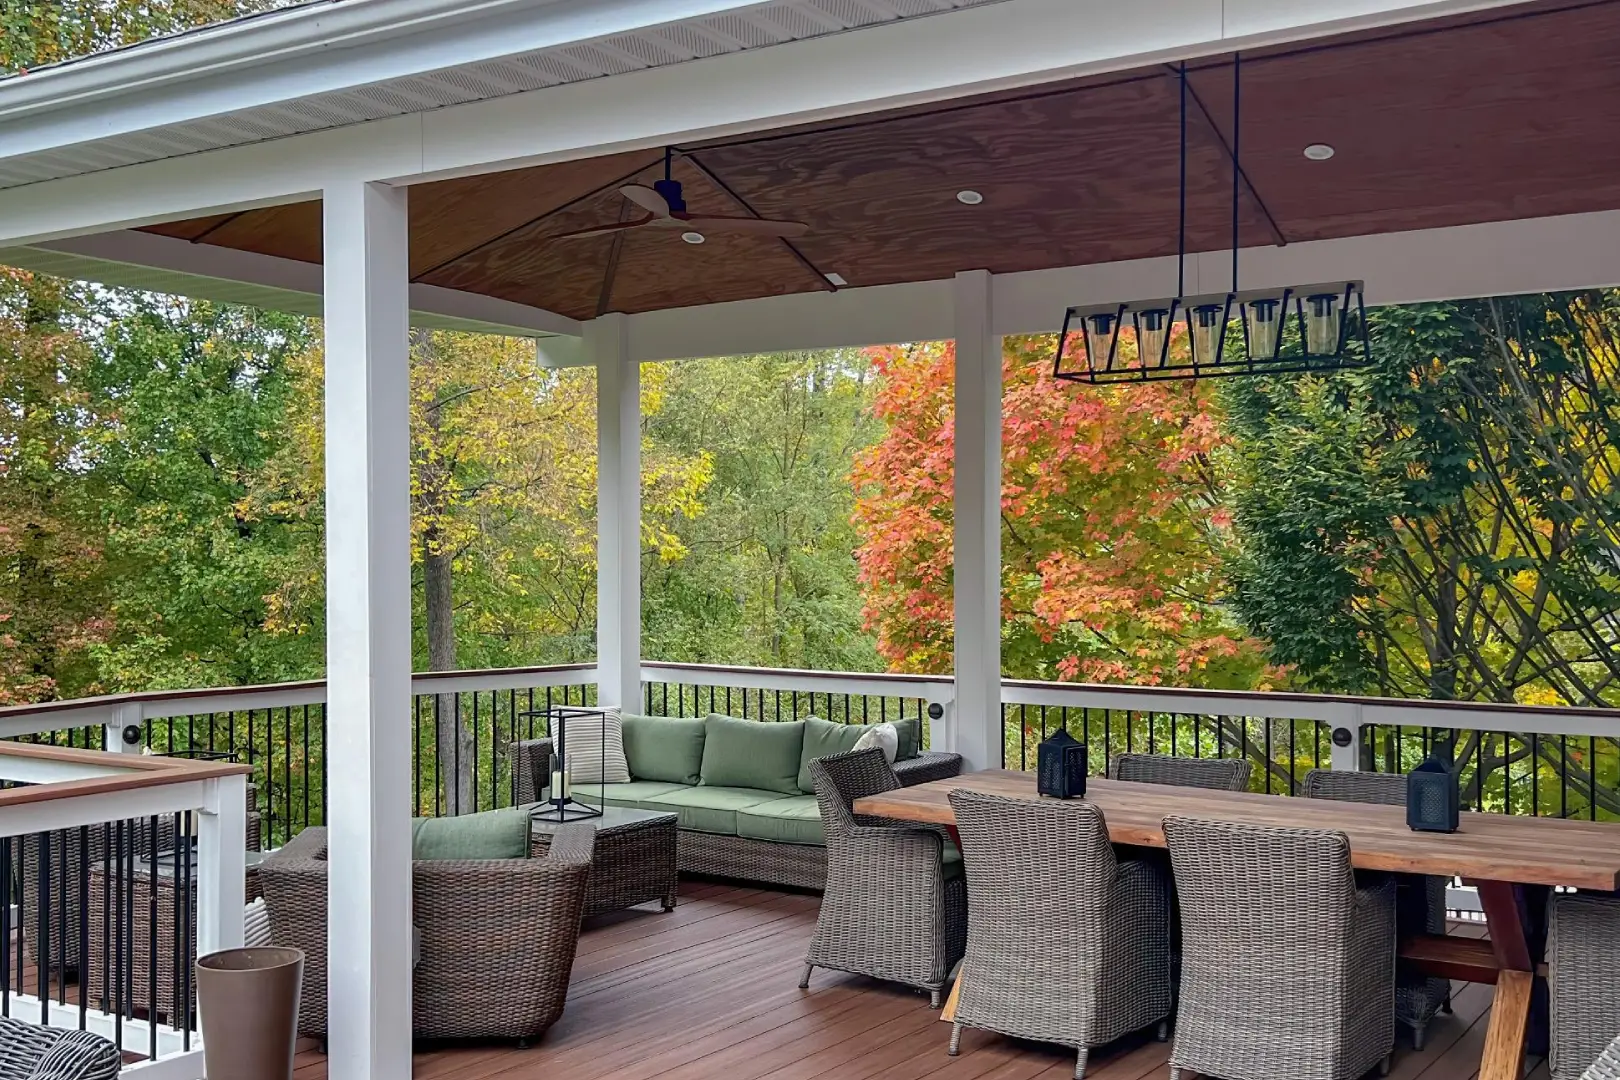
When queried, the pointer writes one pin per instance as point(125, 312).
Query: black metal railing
point(777, 704)
point(1282, 750)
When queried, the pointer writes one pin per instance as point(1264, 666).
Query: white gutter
point(297, 53)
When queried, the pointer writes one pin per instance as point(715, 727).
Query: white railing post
point(126, 721)
point(221, 864)
point(368, 632)
point(976, 725)
point(1346, 740)
point(618, 512)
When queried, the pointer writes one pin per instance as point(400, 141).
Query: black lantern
point(562, 806)
point(1060, 766)
point(1432, 795)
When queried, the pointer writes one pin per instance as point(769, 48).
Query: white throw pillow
point(883, 736)
point(595, 748)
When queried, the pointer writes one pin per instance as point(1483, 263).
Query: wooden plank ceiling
point(1508, 116)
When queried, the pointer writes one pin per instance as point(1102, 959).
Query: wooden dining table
point(1513, 861)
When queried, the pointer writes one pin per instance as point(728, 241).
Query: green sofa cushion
point(493, 834)
point(752, 754)
point(668, 748)
point(910, 730)
point(710, 809)
point(633, 795)
point(821, 739)
point(793, 820)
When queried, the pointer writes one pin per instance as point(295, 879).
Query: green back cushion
point(493, 834)
point(821, 739)
point(667, 748)
point(910, 730)
point(752, 753)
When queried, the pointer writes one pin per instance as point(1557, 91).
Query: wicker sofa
point(496, 937)
point(771, 834)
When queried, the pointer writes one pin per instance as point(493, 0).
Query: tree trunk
point(454, 741)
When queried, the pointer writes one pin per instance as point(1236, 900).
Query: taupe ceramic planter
point(248, 999)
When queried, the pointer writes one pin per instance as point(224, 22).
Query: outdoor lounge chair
point(895, 906)
point(1065, 943)
point(34, 1052)
point(1287, 966)
point(1420, 900)
point(496, 936)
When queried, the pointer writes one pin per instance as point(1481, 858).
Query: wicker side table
point(634, 861)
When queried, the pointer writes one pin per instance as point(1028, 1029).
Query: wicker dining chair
point(496, 937)
point(1219, 774)
point(1288, 966)
point(1420, 899)
point(893, 909)
point(1583, 984)
point(1065, 944)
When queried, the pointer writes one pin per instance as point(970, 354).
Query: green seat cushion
point(668, 748)
point(633, 795)
point(752, 754)
point(793, 820)
point(951, 860)
point(710, 809)
point(493, 834)
point(822, 739)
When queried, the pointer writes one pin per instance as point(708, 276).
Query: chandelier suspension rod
point(1181, 224)
point(1237, 171)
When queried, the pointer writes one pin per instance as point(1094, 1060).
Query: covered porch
point(966, 171)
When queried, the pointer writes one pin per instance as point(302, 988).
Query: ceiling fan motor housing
point(671, 191)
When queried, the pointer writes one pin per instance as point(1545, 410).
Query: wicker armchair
point(33, 1052)
point(1607, 1066)
point(1219, 774)
point(892, 909)
point(1420, 900)
point(1065, 944)
point(1288, 968)
point(1583, 979)
point(496, 937)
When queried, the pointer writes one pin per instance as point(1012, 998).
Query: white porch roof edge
point(169, 265)
point(1008, 43)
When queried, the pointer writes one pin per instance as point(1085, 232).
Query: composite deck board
point(711, 991)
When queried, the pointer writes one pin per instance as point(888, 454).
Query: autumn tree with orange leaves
point(1111, 526)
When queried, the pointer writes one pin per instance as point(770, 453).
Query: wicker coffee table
point(634, 862)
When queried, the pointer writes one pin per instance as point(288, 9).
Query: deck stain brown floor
point(710, 992)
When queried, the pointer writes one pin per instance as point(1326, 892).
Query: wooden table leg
point(1515, 985)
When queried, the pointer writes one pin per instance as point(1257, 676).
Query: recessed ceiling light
point(692, 237)
point(1318, 151)
point(969, 197)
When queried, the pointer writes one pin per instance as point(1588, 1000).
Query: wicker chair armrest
point(897, 843)
point(572, 845)
point(1375, 895)
point(926, 766)
point(307, 846)
point(531, 769)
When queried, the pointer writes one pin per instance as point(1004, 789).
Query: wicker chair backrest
point(1383, 789)
point(840, 779)
point(1036, 865)
point(1249, 890)
point(1219, 774)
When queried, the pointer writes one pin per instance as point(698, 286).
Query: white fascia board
point(1505, 258)
point(971, 50)
point(298, 53)
point(171, 265)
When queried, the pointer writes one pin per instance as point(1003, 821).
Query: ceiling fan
point(666, 209)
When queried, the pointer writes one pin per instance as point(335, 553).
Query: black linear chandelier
point(1294, 329)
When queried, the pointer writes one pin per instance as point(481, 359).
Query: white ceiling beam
point(1550, 254)
point(171, 265)
point(1007, 44)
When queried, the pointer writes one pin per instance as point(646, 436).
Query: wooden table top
point(1486, 847)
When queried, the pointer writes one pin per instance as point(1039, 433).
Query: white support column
point(368, 632)
point(975, 726)
point(618, 512)
point(221, 865)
